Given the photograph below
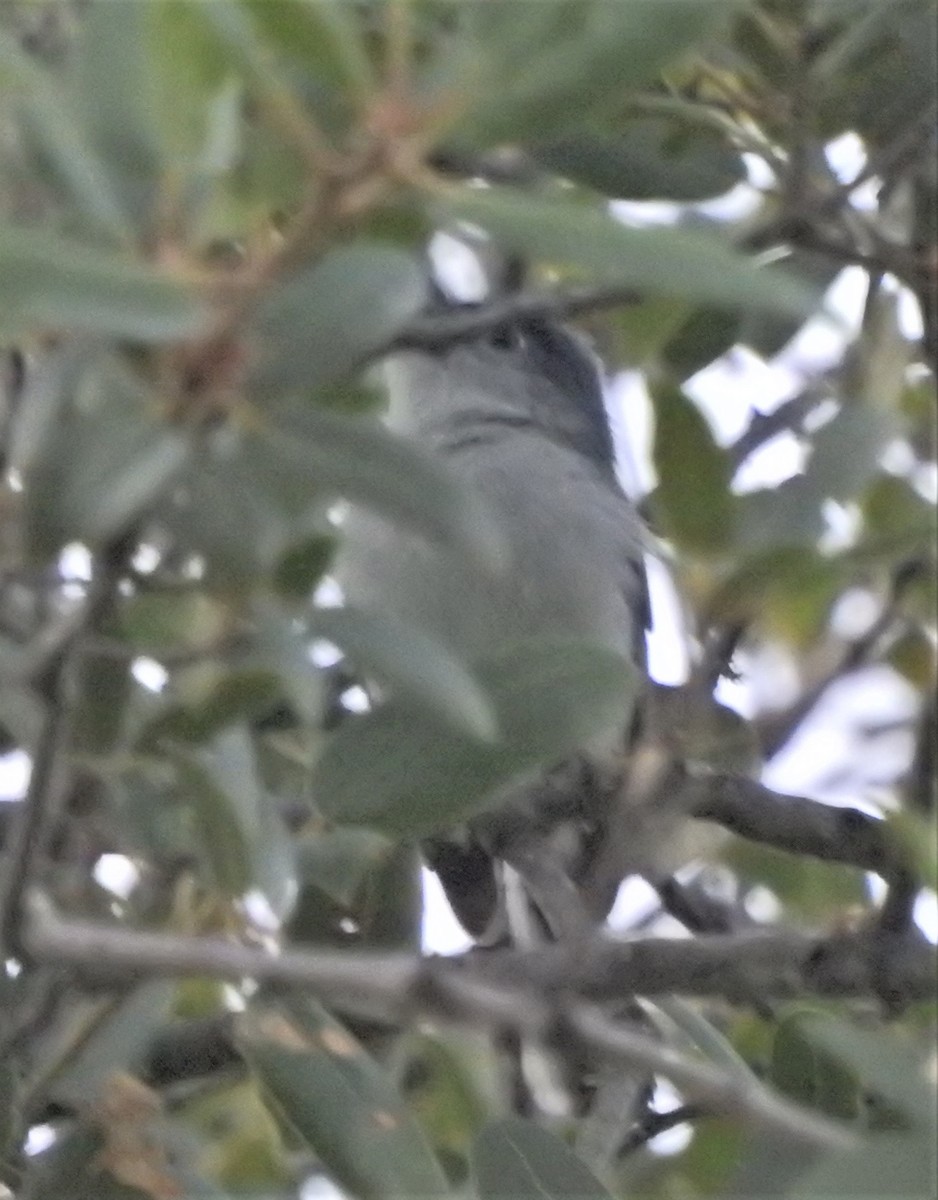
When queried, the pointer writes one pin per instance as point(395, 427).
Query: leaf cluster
point(213, 222)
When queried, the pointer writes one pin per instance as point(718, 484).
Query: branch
point(503, 995)
point(796, 824)
point(49, 660)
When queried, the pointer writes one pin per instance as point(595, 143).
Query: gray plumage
point(519, 418)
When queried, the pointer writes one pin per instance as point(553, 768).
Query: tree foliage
point(213, 222)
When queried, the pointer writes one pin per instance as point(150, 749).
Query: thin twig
point(777, 729)
point(655, 1123)
point(789, 416)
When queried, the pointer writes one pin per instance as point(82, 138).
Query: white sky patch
point(926, 915)
point(442, 933)
point(762, 904)
point(39, 1138)
point(668, 659)
point(259, 912)
point(898, 458)
point(844, 523)
point(771, 675)
point(328, 594)
point(832, 738)
point(324, 654)
point(117, 874)
point(910, 315)
point(855, 612)
point(761, 175)
point(149, 674)
point(643, 214)
point(75, 563)
point(15, 769)
point(635, 900)
point(735, 694)
point(146, 559)
point(737, 204)
point(818, 345)
point(846, 156)
point(725, 390)
point(458, 268)
point(318, 1187)
point(925, 481)
point(355, 699)
point(633, 428)
point(776, 460)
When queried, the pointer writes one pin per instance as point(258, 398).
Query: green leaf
point(353, 457)
point(340, 1103)
point(877, 77)
point(534, 70)
point(382, 895)
point(242, 835)
point(517, 1160)
point(786, 591)
point(225, 820)
point(768, 333)
point(102, 688)
point(652, 158)
point(847, 449)
point(808, 887)
point(845, 456)
point(303, 565)
point(338, 861)
point(892, 1061)
point(692, 500)
point(322, 323)
point(49, 282)
point(705, 335)
point(241, 1145)
point(411, 664)
point(211, 699)
point(61, 142)
point(704, 1035)
point(117, 1043)
point(451, 1082)
point(157, 621)
point(898, 1162)
point(398, 770)
point(226, 517)
point(230, 766)
point(101, 463)
point(112, 87)
point(810, 1075)
point(282, 644)
point(73, 1166)
point(190, 75)
point(327, 38)
point(688, 263)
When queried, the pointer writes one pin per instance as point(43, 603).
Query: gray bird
point(518, 416)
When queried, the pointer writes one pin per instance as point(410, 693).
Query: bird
point(518, 415)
